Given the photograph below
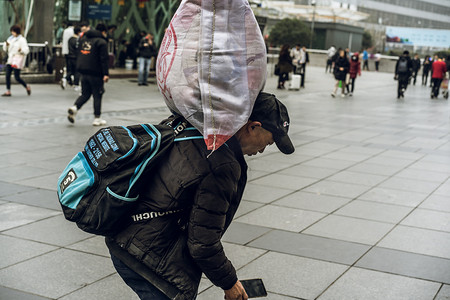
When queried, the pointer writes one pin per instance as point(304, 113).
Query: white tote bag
point(18, 61)
point(212, 65)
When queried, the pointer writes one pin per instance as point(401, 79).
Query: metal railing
point(36, 62)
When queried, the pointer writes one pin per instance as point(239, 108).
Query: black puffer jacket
point(179, 247)
point(341, 62)
point(93, 54)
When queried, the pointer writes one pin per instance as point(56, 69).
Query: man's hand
point(237, 292)
point(105, 78)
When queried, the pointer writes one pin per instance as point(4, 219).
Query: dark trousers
point(402, 85)
point(352, 84)
point(425, 77)
point(414, 75)
point(91, 85)
point(302, 72)
point(329, 65)
point(282, 78)
point(8, 72)
point(366, 65)
point(144, 289)
point(72, 71)
point(435, 86)
point(377, 65)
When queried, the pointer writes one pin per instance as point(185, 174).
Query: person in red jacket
point(438, 68)
point(355, 70)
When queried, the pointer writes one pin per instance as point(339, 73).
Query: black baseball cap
point(274, 117)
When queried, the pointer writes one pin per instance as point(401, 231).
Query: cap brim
point(284, 144)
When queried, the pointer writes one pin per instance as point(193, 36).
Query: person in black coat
point(426, 69)
point(164, 256)
point(403, 72)
point(72, 59)
point(415, 67)
point(341, 68)
point(146, 52)
point(285, 66)
point(92, 63)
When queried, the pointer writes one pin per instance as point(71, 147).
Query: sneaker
point(28, 90)
point(351, 94)
point(6, 94)
point(99, 122)
point(333, 95)
point(77, 88)
point(72, 112)
point(342, 95)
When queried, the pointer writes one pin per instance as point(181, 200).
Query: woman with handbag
point(16, 47)
point(285, 66)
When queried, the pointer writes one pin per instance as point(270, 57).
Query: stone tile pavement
point(361, 210)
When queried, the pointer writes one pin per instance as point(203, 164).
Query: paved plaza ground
point(361, 210)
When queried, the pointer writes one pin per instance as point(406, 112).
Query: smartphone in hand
point(254, 288)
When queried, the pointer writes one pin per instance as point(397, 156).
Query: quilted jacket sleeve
point(207, 222)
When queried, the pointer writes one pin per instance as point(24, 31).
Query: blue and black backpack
point(99, 187)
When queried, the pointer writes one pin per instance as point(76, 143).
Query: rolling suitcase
point(294, 84)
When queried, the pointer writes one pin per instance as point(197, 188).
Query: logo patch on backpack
point(70, 177)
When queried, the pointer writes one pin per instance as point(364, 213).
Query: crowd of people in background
point(90, 53)
point(140, 50)
point(346, 67)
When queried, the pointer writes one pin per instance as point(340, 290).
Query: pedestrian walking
point(415, 67)
point(426, 67)
point(304, 59)
point(146, 52)
point(377, 60)
point(296, 56)
point(365, 57)
point(403, 71)
point(67, 35)
point(435, 58)
point(16, 47)
point(439, 69)
point(330, 53)
point(92, 63)
point(285, 66)
point(73, 77)
point(167, 255)
point(354, 70)
point(341, 68)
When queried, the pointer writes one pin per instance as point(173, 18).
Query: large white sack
point(211, 66)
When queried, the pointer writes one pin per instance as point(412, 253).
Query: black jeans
point(137, 283)
point(414, 75)
point(72, 71)
point(91, 85)
point(425, 77)
point(366, 65)
point(8, 72)
point(282, 78)
point(352, 84)
point(436, 85)
point(329, 65)
point(303, 74)
point(402, 84)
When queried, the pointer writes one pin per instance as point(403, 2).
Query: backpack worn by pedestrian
point(100, 185)
point(402, 65)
